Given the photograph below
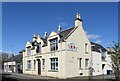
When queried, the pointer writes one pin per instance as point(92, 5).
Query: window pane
point(29, 64)
point(54, 63)
point(86, 62)
point(43, 64)
point(34, 64)
point(54, 44)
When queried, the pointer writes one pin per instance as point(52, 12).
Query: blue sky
point(22, 20)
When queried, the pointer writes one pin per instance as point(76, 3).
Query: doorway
point(39, 67)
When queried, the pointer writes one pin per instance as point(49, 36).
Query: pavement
point(23, 77)
point(96, 77)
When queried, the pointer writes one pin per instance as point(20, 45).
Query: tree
point(4, 57)
point(115, 57)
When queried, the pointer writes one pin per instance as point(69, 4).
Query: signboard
point(72, 46)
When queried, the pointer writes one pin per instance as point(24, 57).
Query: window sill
point(28, 69)
point(52, 70)
point(34, 69)
point(86, 52)
point(80, 68)
point(53, 50)
point(28, 55)
point(86, 68)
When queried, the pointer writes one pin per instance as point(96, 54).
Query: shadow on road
point(9, 77)
point(6, 78)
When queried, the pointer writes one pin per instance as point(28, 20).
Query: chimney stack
point(35, 37)
point(59, 29)
point(38, 36)
point(45, 35)
point(78, 20)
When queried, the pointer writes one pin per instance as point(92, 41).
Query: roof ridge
point(67, 29)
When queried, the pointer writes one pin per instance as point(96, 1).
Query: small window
point(43, 64)
point(86, 63)
point(54, 63)
point(28, 51)
point(39, 47)
point(34, 64)
point(29, 64)
point(38, 50)
point(54, 44)
point(86, 48)
point(80, 61)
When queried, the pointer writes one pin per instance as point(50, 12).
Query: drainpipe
point(12, 59)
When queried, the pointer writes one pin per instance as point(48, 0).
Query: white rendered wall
point(97, 63)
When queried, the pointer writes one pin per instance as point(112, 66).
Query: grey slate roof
point(45, 42)
point(16, 58)
point(96, 47)
point(35, 43)
point(63, 34)
point(66, 33)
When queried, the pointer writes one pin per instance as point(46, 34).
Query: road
point(23, 77)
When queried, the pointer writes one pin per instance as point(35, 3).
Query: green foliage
point(115, 57)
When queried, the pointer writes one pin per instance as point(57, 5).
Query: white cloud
point(86, 32)
point(0, 50)
point(98, 41)
point(93, 36)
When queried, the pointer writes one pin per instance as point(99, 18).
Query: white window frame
point(29, 64)
point(80, 63)
point(54, 44)
point(28, 51)
point(43, 64)
point(86, 48)
point(54, 63)
point(34, 64)
point(40, 47)
point(86, 63)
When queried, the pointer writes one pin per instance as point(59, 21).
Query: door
point(39, 67)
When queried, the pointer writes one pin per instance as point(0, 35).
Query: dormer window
point(28, 50)
point(38, 50)
point(54, 44)
point(39, 47)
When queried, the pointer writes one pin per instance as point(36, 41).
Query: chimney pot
point(59, 29)
point(45, 35)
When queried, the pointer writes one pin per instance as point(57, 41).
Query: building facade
point(62, 54)
point(101, 60)
point(10, 66)
point(14, 64)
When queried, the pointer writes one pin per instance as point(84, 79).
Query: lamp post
point(12, 58)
